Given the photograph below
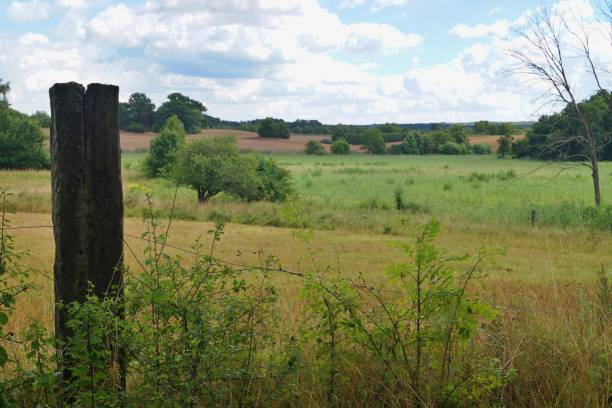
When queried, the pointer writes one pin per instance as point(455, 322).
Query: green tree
point(458, 134)
point(21, 141)
point(5, 88)
point(390, 128)
point(215, 165)
point(164, 148)
point(505, 129)
point(270, 127)
point(142, 109)
point(374, 141)
point(410, 145)
point(189, 111)
point(505, 146)
point(481, 127)
point(314, 148)
point(41, 118)
point(340, 146)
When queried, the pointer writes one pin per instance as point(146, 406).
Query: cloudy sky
point(350, 61)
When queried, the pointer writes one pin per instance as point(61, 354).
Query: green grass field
point(358, 193)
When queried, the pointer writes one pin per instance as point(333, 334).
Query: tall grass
point(358, 192)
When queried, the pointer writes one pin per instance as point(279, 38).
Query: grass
point(542, 278)
point(358, 193)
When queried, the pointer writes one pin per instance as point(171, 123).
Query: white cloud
point(495, 10)
point(77, 4)
point(33, 38)
point(380, 4)
point(499, 29)
point(351, 3)
point(33, 10)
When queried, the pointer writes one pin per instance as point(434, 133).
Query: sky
point(338, 61)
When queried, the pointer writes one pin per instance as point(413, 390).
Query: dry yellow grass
point(547, 257)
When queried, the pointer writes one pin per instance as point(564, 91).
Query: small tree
point(340, 146)
point(505, 146)
point(164, 148)
point(374, 141)
point(214, 165)
point(314, 148)
point(270, 127)
point(273, 181)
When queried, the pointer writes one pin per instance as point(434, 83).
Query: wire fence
point(241, 267)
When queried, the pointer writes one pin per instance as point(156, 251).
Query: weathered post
point(87, 198)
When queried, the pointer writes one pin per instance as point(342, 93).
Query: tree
point(410, 144)
point(21, 141)
point(458, 134)
point(544, 50)
point(142, 109)
point(164, 148)
point(214, 165)
point(5, 89)
point(270, 127)
point(340, 146)
point(189, 111)
point(505, 129)
point(481, 127)
point(41, 118)
point(314, 148)
point(504, 146)
point(374, 141)
point(138, 114)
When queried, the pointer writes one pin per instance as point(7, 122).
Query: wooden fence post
point(87, 199)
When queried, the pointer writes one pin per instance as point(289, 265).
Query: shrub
point(135, 127)
point(453, 148)
point(164, 148)
point(481, 148)
point(340, 146)
point(21, 142)
point(314, 148)
point(273, 181)
point(395, 149)
point(409, 144)
point(270, 127)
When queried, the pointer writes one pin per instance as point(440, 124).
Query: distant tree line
point(557, 136)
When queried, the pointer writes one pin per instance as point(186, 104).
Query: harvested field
point(491, 140)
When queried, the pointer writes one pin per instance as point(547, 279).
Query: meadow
point(541, 276)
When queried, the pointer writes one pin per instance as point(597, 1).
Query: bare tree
point(546, 49)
